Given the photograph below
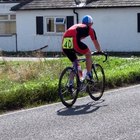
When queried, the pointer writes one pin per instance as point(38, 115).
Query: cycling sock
point(89, 74)
point(70, 82)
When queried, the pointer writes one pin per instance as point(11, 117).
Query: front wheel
point(68, 94)
point(96, 88)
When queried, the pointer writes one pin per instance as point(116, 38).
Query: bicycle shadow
point(81, 109)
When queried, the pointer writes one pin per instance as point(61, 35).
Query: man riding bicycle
point(72, 44)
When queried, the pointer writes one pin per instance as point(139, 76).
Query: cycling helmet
point(87, 20)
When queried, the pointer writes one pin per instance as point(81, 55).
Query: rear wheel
point(68, 94)
point(96, 88)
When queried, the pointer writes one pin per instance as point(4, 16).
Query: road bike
point(95, 88)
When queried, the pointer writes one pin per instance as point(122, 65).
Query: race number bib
point(67, 43)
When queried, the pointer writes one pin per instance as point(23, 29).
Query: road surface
point(114, 117)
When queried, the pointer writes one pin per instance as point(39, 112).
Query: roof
point(69, 4)
point(113, 3)
point(45, 4)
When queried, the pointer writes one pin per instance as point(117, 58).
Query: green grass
point(27, 84)
point(122, 71)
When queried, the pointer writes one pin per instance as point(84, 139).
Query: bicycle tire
point(96, 89)
point(67, 97)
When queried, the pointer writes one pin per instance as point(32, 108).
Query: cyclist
point(72, 44)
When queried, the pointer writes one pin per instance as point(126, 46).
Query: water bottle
point(84, 73)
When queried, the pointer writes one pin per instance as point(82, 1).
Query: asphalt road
point(115, 117)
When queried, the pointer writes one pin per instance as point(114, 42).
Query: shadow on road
point(81, 109)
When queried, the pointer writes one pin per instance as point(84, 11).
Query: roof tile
point(63, 4)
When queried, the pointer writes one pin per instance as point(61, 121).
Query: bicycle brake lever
point(100, 53)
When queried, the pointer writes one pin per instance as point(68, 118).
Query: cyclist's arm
point(97, 45)
point(93, 36)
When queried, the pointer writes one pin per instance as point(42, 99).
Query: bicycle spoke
point(96, 89)
point(68, 94)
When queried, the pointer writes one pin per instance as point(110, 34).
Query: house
point(42, 22)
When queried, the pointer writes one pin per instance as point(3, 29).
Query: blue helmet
point(87, 20)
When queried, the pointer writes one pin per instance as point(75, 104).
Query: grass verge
point(28, 84)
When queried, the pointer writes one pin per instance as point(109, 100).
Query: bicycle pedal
point(83, 87)
point(90, 81)
point(70, 89)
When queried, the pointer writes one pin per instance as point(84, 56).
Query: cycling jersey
point(72, 39)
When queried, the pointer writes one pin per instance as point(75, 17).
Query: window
point(138, 19)
point(7, 24)
point(53, 24)
point(50, 24)
point(59, 20)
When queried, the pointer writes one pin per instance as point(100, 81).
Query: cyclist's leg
point(89, 66)
point(83, 49)
point(70, 53)
point(88, 61)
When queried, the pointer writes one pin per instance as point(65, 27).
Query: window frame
point(61, 22)
point(55, 24)
point(41, 25)
point(10, 20)
point(138, 22)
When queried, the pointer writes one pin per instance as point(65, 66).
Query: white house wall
point(28, 39)
point(5, 7)
point(116, 29)
point(8, 43)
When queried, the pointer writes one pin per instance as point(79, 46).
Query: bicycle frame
point(68, 92)
point(75, 65)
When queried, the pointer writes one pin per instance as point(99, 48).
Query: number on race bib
point(68, 43)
